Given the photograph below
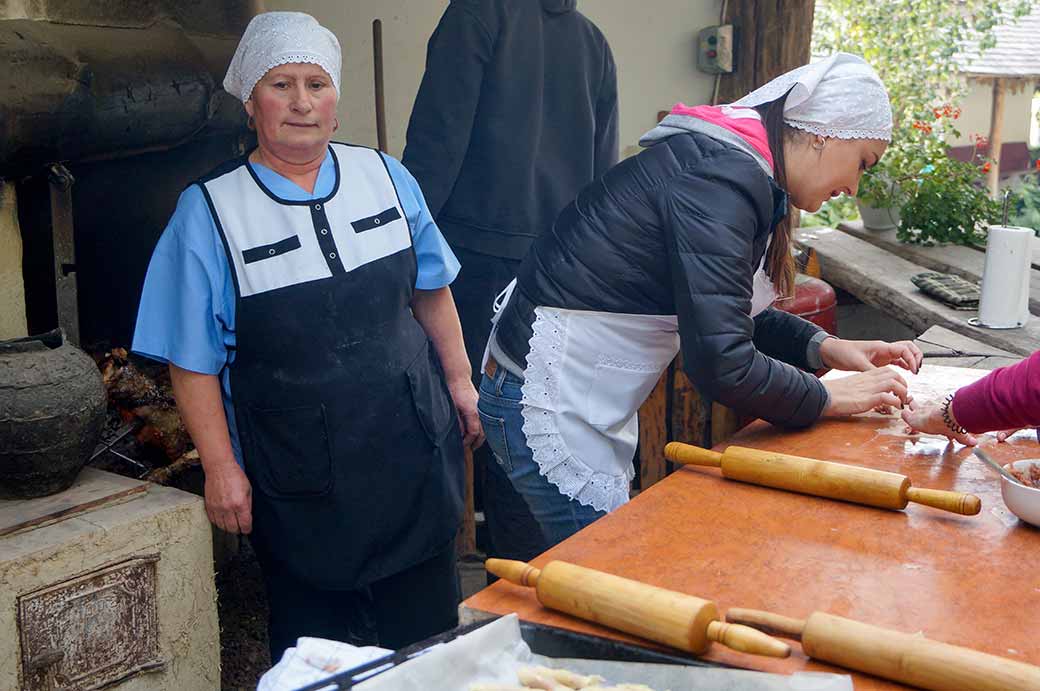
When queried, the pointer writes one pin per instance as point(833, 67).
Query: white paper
point(494, 653)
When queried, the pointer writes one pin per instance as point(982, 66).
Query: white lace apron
point(587, 374)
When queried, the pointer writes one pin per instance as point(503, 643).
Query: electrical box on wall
point(716, 49)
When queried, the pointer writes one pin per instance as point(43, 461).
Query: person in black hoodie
point(516, 113)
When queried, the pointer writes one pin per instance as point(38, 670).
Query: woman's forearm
point(435, 311)
point(1006, 398)
point(202, 410)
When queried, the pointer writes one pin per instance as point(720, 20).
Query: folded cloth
point(949, 289)
point(314, 659)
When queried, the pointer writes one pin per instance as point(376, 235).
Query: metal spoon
point(996, 466)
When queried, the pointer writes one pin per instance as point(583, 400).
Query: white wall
point(977, 108)
point(654, 51)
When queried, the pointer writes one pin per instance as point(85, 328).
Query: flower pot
point(52, 408)
point(878, 218)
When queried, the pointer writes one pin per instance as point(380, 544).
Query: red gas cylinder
point(813, 300)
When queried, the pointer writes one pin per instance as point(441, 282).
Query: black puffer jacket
point(679, 229)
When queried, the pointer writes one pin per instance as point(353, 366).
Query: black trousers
point(394, 612)
point(512, 531)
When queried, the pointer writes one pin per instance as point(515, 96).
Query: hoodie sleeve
point(606, 150)
point(446, 104)
point(711, 214)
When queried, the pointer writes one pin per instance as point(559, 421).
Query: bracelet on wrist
point(948, 416)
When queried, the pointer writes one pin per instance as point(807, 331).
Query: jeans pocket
point(495, 435)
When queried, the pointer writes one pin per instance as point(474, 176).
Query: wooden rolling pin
point(821, 478)
point(676, 619)
point(906, 658)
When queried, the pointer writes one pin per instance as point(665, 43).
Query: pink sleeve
point(1006, 398)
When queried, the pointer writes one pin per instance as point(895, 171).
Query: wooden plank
point(961, 351)
point(966, 262)
point(882, 279)
point(742, 545)
point(93, 488)
point(654, 433)
point(725, 422)
point(691, 415)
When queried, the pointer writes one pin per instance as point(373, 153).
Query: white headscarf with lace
point(841, 97)
point(279, 38)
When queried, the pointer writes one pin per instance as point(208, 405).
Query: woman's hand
point(229, 498)
point(1004, 435)
point(464, 396)
point(929, 420)
point(863, 392)
point(860, 356)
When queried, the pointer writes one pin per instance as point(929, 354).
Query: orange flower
point(938, 113)
point(956, 113)
point(1038, 164)
point(986, 167)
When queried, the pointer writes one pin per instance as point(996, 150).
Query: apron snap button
point(332, 255)
point(317, 207)
point(375, 220)
point(270, 252)
point(324, 231)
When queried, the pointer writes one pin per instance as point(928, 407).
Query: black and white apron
point(348, 433)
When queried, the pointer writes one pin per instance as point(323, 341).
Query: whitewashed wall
point(653, 46)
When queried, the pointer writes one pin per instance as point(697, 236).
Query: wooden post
point(773, 38)
point(996, 135)
point(377, 62)
point(466, 538)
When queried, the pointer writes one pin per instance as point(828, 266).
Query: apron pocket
point(433, 403)
point(377, 221)
point(617, 390)
point(256, 254)
point(290, 451)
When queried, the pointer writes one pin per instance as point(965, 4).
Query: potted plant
point(948, 203)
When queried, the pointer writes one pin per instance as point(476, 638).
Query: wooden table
point(878, 274)
point(969, 580)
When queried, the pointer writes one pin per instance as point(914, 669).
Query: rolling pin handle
point(956, 502)
point(518, 572)
point(746, 639)
point(767, 622)
point(687, 454)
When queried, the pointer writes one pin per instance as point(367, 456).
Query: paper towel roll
point(1004, 303)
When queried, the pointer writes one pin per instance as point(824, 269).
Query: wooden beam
point(773, 37)
point(654, 433)
point(996, 136)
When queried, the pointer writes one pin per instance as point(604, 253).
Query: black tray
point(543, 640)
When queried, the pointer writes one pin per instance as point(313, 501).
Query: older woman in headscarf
point(685, 245)
point(300, 296)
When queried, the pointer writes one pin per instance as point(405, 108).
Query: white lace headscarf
point(278, 38)
point(841, 97)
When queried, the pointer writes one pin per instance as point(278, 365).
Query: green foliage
point(1025, 206)
point(912, 44)
point(947, 203)
point(832, 213)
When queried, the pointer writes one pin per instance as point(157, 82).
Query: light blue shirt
point(187, 310)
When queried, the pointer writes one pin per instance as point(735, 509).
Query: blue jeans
point(499, 407)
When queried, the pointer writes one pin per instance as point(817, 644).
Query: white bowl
point(1023, 501)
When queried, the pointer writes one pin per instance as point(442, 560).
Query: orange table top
point(968, 580)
